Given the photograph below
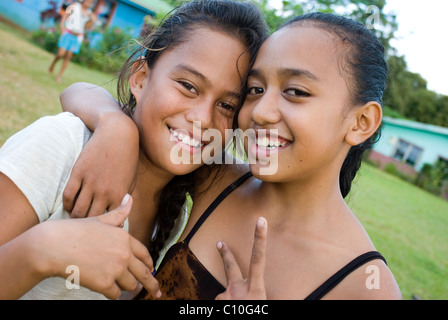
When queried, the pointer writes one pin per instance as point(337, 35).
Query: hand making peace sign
point(252, 288)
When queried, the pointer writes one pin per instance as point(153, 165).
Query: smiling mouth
point(184, 137)
point(270, 144)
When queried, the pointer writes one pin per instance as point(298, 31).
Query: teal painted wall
point(433, 140)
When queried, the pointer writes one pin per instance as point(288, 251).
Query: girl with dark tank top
point(319, 82)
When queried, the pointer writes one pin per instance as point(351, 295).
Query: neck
point(308, 201)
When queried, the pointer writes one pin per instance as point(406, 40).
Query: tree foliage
point(407, 95)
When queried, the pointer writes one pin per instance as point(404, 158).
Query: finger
point(82, 203)
point(223, 296)
point(113, 292)
point(118, 216)
point(258, 259)
point(231, 268)
point(142, 253)
point(143, 269)
point(114, 203)
point(130, 295)
point(71, 192)
point(127, 281)
point(144, 275)
point(98, 207)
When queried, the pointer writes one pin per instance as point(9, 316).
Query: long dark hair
point(366, 68)
point(242, 20)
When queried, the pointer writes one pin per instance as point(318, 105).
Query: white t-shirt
point(39, 160)
point(77, 20)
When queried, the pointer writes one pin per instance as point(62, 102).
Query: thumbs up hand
point(109, 259)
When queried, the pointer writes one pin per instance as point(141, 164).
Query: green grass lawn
point(408, 225)
point(28, 91)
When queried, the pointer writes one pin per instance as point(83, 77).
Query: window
point(407, 153)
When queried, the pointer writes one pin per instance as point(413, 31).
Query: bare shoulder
point(371, 281)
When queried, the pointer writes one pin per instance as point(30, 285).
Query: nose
point(266, 110)
point(202, 112)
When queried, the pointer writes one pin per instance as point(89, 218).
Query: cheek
point(244, 117)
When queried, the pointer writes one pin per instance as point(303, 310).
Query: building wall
point(25, 13)
point(128, 18)
point(434, 144)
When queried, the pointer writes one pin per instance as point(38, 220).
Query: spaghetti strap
point(328, 285)
point(215, 203)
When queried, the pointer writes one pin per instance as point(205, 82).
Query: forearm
point(22, 266)
point(91, 103)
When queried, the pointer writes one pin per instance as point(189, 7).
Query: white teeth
point(268, 144)
point(186, 139)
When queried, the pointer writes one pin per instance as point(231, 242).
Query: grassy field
point(408, 225)
point(28, 91)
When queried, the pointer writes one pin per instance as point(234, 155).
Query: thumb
point(117, 216)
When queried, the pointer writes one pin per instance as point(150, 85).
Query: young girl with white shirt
point(212, 40)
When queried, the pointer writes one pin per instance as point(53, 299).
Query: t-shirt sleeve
point(39, 159)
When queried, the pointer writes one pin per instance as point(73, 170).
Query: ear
point(366, 121)
point(139, 76)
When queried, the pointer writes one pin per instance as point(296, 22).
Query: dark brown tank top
point(182, 276)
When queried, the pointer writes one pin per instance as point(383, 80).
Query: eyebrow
point(184, 67)
point(287, 72)
point(298, 72)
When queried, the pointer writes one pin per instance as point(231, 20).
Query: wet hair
point(364, 64)
point(239, 19)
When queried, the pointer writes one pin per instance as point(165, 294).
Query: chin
point(267, 173)
point(182, 169)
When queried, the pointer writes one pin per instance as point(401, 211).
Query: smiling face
point(196, 83)
point(296, 86)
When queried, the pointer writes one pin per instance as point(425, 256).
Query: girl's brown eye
point(227, 107)
point(297, 93)
point(255, 90)
point(188, 86)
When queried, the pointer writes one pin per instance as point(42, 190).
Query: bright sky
point(422, 37)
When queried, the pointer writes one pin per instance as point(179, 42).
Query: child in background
point(76, 19)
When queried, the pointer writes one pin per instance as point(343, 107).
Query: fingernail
point(159, 294)
point(261, 222)
point(219, 245)
point(125, 199)
point(153, 272)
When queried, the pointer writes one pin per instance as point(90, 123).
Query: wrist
point(38, 252)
